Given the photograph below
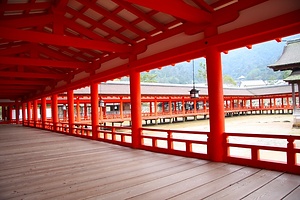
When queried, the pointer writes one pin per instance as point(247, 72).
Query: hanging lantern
point(194, 93)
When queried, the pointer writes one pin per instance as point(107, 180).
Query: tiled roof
point(290, 58)
point(122, 88)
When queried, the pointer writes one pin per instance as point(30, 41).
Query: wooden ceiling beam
point(98, 25)
point(60, 40)
point(177, 8)
point(41, 62)
point(14, 50)
point(23, 82)
point(31, 75)
point(139, 14)
point(20, 87)
point(52, 53)
point(29, 21)
point(24, 6)
point(113, 17)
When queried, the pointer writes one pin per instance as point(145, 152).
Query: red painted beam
point(19, 87)
point(41, 62)
point(178, 9)
point(52, 53)
point(139, 14)
point(23, 82)
point(202, 4)
point(80, 29)
point(29, 21)
point(98, 25)
point(60, 40)
point(111, 16)
point(14, 50)
point(31, 75)
point(24, 6)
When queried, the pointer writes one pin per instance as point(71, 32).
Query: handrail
point(254, 152)
point(194, 143)
point(174, 142)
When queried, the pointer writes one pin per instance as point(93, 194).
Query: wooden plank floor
point(38, 164)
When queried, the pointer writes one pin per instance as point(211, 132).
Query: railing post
point(291, 156)
point(188, 146)
point(170, 142)
point(254, 154)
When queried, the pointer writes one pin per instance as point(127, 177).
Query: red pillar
point(17, 112)
point(10, 109)
point(95, 110)
point(71, 110)
point(3, 112)
point(78, 119)
point(85, 112)
point(121, 108)
point(215, 145)
point(136, 112)
point(35, 112)
point(43, 112)
point(23, 113)
point(54, 111)
point(28, 112)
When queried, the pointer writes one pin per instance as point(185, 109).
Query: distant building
point(290, 60)
point(252, 83)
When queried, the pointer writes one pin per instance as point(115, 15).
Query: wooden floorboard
point(38, 164)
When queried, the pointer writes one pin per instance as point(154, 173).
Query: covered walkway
point(39, 164)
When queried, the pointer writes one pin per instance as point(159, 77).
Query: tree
point(202, 73)
point(149, 78)
point(228, 80)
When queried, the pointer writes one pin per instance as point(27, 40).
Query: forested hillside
point(249, 63)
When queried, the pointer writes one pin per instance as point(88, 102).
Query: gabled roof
point(51, 46)
point(157, 89)
point(294, 77)
point(290, 58)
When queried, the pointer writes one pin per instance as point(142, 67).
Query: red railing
point(183, 143)
point(275, 152)
point(269, 151)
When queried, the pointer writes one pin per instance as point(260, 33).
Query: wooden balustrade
point(256, 150)
point(281, 151)
point(184, 143)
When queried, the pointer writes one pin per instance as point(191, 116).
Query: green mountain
point(249, 63)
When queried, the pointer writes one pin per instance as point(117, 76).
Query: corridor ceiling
point(49, 46)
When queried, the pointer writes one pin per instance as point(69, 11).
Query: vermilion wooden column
point(3, 112)
point(54, 111)
point(71, 110)
point(78, 118)
point(28, 112)
point(23, 113)
point(215, 149)
point(95, 110)
point(170, 107)
point(155, 107)
point(121, 108)
point(43, 112)
point(17, 112)
point(10, 108)
point(136, 112)
point(35, 112)
point(85, 111)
